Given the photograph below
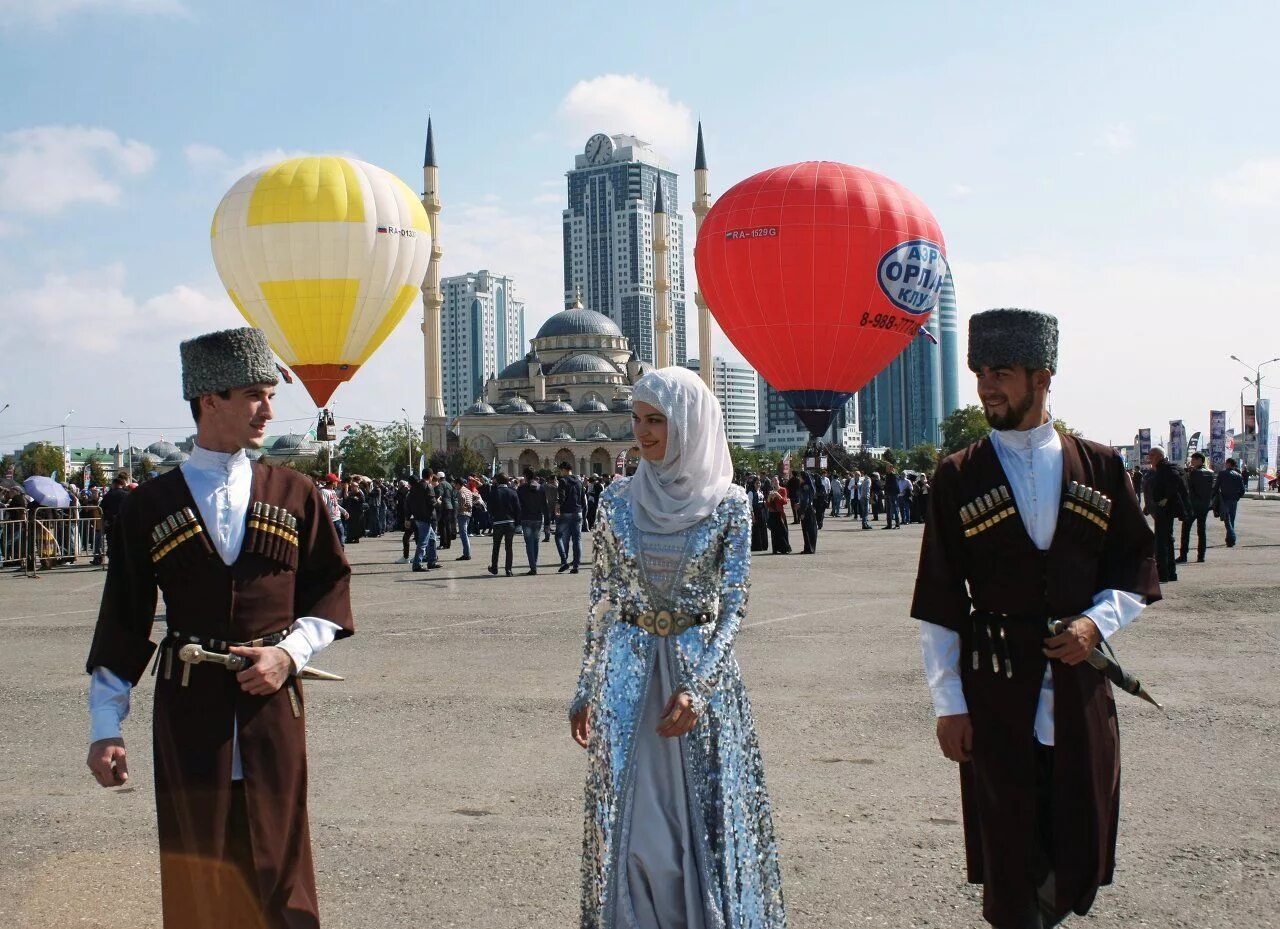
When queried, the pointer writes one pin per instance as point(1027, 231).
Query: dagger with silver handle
point(1111, 668)
point(194, 654)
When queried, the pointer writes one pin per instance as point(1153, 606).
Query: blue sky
point(1116, 164)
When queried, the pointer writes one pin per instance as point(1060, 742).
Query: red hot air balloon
point(821, 274)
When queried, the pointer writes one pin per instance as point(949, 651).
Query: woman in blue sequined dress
point(679, 831)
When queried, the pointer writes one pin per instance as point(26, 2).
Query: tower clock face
point(599, 148)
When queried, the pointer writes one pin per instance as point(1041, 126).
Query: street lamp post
point(408, 445)
point(128, 438)
point(1256, 381)
point(66, 461)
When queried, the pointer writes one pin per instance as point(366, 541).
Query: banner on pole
point(620, 463)
point(1217, 439)
point(1194, 444)
point(1177, 442)
point(1266, 466)
point(1144, 445)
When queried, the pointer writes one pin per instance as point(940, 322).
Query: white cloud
point(93, 312)
point(614, 103)
point(203, 157)
point(47, 168)
point(1118, 138)
point(1255, 184)
point(50, 12)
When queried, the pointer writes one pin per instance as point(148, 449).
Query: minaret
point(701, 206)
point(661, 284)
point(433, 421)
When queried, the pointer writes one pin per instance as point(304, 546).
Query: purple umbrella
point(46, 491)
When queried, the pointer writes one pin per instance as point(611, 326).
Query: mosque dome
point(584, 364)
point(517, 370)
point(621, 404)
point(558, 407)
point(161, 450)
point(593, 406)
point(516, 405)
point(562, 436)
point(177, 458)
point(579, 322)
point(598, 436)
point(480, 408)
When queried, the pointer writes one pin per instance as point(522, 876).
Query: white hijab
point(696, 471)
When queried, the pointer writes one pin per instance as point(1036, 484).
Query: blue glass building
point(608, 239)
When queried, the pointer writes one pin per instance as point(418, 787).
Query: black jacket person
point(1026, 526)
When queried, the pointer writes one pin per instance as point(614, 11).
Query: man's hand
point(270, 669)
point(955, 736)
point(580, 726)
point(678, 717)
point(1074, 645)
point(107, 762)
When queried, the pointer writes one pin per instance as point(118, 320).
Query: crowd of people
point(437, 509)
point(809, 497)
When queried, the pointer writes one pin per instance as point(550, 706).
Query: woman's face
point(650, 428)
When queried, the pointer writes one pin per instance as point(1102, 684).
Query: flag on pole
point(928, 335)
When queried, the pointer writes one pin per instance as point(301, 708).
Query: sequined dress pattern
point(724, 774)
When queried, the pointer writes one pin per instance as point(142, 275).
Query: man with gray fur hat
point(249, 564)
point(1028, 526)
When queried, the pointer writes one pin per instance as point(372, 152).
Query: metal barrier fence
point(64, 536)
point(13, 535)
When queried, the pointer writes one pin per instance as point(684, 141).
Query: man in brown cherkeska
point(249, 563)
point(1026, 526)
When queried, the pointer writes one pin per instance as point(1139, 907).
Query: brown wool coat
point(999, 570)
point(272, 583)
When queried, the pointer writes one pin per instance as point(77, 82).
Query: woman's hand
point(580, 726)
point(678, 718)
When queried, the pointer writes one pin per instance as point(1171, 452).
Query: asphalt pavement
point(446, 791)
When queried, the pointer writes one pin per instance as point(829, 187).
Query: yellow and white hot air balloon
point(325, 255)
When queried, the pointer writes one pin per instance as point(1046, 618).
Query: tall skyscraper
point(781, 430)
point(482, 333)
point(905, 404)
point(734, 384)
point(609, 236)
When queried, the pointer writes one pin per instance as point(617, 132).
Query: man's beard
point(1012, 416)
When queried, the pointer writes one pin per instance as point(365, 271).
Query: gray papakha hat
point(1013, 337)
point(226, 360)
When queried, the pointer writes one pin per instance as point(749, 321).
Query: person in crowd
point(353, 502)
point(807, 508)
point(679, 829)
point(920, 498)
point(485, 491)
point(504, 509)
point(111, 505)
point(864, 499)
point(793, 496)
point(1031, 723)
point(1166, 500)
point(404, 519)
point(422, 510)
point(759, 516)
point(836, 493)
point(776, 503)
point(228, 751)
point(533, 505)
point(1199, 481)
point(447, 510)
point(877, 495)
point(333, 506)
point(551, 491)
point(1228, 489)
point(466, 501)
point(594, 489)
point(570, 503)
point(892, 515)
point(821, 498)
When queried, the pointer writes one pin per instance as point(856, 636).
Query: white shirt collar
point(1041, 436)
point(202, 459)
